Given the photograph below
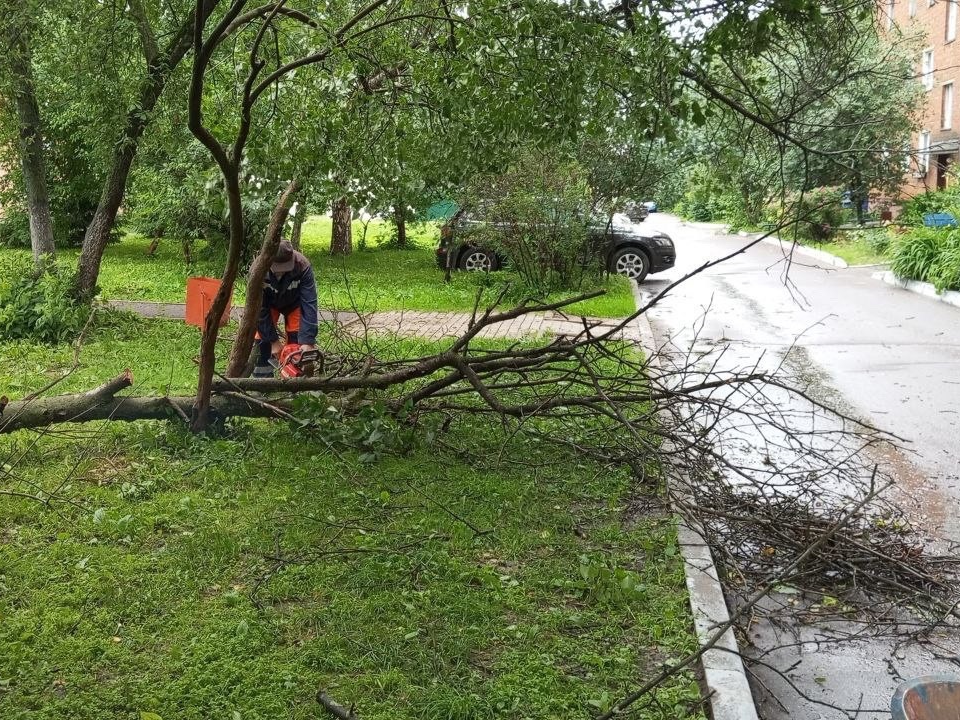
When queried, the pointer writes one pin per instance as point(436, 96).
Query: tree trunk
point(298, 221)
point(211, 329)
point(114, 187)
point(400, 220)
point(101, 404)
point(240, 352)
point(341, 237)
point(31, 146)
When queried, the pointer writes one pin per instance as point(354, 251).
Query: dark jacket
point(296, 288)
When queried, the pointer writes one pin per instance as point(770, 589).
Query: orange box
point(200, 294)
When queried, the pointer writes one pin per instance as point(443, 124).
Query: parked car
point(651, 206)
point(624, 248)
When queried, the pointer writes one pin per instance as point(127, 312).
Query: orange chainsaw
point(295, 362)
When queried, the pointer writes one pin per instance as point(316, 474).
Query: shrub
point(915, 208)
point(945, 274)
point(537, 215)
point(14, 227)
point(36, 304)
point(917, 253)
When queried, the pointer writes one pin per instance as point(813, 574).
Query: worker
point(290, 290)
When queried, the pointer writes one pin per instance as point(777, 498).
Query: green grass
point(377, 279)
point(858, 247)
point(157, 590)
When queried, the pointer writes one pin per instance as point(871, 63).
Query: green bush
point(929, 255)
point(37, 304)
point(945, 274)
point(14, 227)
point(915, 208)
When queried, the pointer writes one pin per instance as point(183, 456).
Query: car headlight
point(663, 241)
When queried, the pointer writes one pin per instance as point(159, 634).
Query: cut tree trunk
point(400, 220)
point(341, 237)
point(240, 352)
point(103, 404)
point(114, 187)
point(31, 146)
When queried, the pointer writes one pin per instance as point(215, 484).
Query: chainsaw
point(294, 362)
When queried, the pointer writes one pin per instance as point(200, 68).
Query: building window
point(912, 8)
point(946, 107)
point(926, 69)
point(951, 21)
point(924, 160)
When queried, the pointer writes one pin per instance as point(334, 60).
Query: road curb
point(724, 674)
point(786, 245)
point(950, 297)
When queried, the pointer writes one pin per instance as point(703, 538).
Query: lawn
point(458, 575)
point(856, 250)
point(376, 279)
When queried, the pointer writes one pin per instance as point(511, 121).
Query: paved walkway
point(417, 323)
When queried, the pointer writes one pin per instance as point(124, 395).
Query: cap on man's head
point(283, 259)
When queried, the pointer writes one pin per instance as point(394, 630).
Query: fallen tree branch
point(335, 708)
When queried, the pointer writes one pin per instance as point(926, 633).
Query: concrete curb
point(729, 691)
point(788, 246)
point(950, 297)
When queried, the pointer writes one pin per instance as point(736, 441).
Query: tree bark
point(114, 187)
point(297, 229)
point(31, 146)
point(400, 220)
point(341, 237)
point(240, 352)
point(104, 405)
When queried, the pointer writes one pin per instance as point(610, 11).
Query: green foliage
point(710, 198)
point(537, 215)
point(938, 201)
point(14, 225)
point(929, 255)
point(372, 432)
point(37, 304)
point(819, 212)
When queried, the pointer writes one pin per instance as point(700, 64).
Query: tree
point(17, 37)
point(341, 230)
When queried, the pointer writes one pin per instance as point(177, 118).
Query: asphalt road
point(881, 353)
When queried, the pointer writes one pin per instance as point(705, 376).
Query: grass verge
point(377, 279)
point(232, 576)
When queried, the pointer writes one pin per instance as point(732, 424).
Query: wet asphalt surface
point(881, 354)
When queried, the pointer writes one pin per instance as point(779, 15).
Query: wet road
point(880, 353)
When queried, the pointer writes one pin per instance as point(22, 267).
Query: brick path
point(415, 323)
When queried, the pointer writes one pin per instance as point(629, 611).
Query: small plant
point(609, 584)
point(918, 252)
point(37, 303)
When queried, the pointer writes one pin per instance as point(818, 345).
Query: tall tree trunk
point(211, 328)
point(298, 221)
point(114, 187)
point(31, 146)
point(400, 220)
point(341, 237)
point(240, 352)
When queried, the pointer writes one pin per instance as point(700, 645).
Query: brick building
point(936, 143)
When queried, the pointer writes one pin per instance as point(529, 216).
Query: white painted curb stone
point(950, 297)
point(729, 691)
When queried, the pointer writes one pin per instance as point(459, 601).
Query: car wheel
point(478, 260)
point(631, 262)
